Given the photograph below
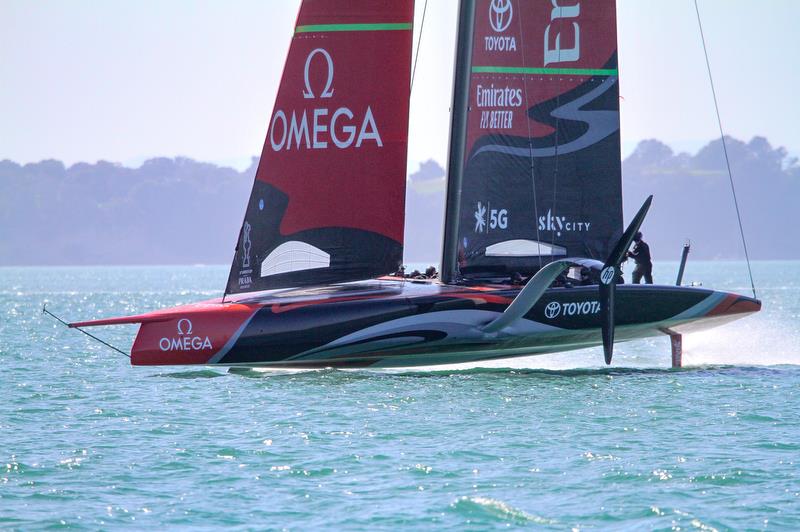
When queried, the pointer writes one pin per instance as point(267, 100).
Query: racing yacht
point(533, 230)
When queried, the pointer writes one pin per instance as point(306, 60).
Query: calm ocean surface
point(555, 442)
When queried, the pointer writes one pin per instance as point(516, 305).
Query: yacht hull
point(398, 323)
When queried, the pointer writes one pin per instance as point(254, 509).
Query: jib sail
point(540, 175)
point(329, 195)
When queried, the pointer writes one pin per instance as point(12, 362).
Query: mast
point(458, 139)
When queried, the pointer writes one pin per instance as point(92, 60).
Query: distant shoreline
point(180, 211)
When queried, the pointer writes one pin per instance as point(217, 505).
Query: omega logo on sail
point(311, 128)
point(558, 54)
point(185, 341)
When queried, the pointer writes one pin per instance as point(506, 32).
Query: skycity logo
point(500, 14)
point(311, 128)
point(185, 341)
point(560, 224)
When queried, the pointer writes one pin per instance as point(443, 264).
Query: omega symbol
point(327, 92)
point(184, 327)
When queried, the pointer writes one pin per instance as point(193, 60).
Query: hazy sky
point(127, 80)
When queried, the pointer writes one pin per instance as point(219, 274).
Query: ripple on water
point(559, 442)
point(485, 510)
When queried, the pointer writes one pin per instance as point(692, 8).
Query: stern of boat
point(199, 333)
point(719, 308)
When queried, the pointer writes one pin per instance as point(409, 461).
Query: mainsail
point(539, 144)
point(329, 195)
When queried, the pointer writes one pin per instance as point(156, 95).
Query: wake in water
point(768, 339)
point(753, 342)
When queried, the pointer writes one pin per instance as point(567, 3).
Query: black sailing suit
point(644, 264)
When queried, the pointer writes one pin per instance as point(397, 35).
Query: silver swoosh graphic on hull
point(458, 325)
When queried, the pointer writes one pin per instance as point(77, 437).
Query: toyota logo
point(552, 310)
point(500, 13)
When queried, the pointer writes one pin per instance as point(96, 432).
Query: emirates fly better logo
point(500, 14)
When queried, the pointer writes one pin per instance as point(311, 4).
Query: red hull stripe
point(734, 304)
point(278, 308)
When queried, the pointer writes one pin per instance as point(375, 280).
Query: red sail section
point(542, 172)
point(525, 53)
point(329, 196)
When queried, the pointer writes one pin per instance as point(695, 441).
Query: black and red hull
point(395, 323)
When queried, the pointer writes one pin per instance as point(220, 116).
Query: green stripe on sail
point(550, 71)
point(321, 28)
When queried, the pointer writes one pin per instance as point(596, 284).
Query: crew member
point(644, 263)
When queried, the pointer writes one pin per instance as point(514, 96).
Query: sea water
point(553, 442)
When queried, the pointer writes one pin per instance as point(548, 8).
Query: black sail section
point(328, 200)
point(542, 175)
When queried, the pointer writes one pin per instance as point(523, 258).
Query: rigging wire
point(530, 144)
point(419, 42)
point(93, 337)
point(725, 149)
point(555, 166)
